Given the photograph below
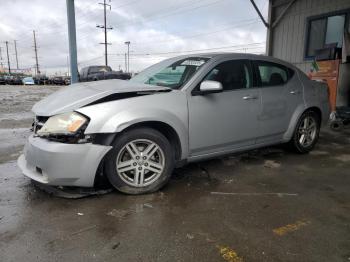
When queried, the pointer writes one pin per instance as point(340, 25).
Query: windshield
point(173, 73)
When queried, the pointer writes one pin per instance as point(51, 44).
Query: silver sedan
point(185, 109)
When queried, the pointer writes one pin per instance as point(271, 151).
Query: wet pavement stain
point(290, 227)
point(229, 254)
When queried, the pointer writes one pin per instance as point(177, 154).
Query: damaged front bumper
point(61, 164)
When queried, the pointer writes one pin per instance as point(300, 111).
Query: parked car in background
point(67, 80)
point(2, 80)
point(13, 80)
point(41, 80)
point(95, 73)
point(58, 80)
point(28, 81)
point(181, 110)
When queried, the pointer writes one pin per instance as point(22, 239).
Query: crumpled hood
point(78, 95)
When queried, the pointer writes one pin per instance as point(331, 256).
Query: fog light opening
point(39, 170)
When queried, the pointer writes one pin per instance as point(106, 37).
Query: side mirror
point(209, 87)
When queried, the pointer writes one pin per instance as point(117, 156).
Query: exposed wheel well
point(166, 130)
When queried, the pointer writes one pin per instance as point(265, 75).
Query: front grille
point(38, 123)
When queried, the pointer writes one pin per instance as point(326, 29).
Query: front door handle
point(294, 92)
point(250, 97)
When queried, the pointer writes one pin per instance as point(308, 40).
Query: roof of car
point(219, 55)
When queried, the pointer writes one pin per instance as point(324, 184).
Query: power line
point(175, 10)
point(89, 60)
point(239, 25)
point(194, 50)
point(150, 17)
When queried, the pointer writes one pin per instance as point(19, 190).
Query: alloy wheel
point(140, 162)
point(307, 131)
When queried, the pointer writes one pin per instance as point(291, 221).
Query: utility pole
point(126, 63)
point(67, 65)
point(8, 58)
point(73, 60)
point(128, 44)
point(105, 28)
point(36, 55)
point(1, 64)
point(15, 41)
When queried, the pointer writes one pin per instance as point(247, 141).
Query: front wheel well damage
point(107, 139)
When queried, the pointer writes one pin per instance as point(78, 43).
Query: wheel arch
point(317, 110)
point(295, 118)
point(107, 139)
point(168, 131)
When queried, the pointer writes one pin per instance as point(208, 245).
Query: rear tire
point(141, 161)
point(306, 133)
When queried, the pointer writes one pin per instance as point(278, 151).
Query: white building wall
point(288, 42)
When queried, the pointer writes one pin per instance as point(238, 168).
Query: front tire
point(140, 162)
point(306, 133)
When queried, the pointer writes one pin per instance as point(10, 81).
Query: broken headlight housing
point(67, 124)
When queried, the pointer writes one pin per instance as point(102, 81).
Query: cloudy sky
point(156, 29)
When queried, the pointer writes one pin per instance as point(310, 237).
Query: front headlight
point(63, 124)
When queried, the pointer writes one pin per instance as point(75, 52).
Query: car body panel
point(277, 108)
point(216, 125)
point(169, 108)
point(78, 95)
point(73, 165)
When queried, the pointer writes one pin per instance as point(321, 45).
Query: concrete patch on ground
point(119, 213)
point(271, 164)
point(337, 146)
point(319, 153)
point(253, 194)
point(303, 168)
point(290, 227)
point(230, 161)
point(123, 213)
point(343, 158)
point(229, 254)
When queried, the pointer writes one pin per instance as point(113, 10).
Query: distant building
point(299, 27)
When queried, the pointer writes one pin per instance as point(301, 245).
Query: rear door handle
point(294, 92)
point(250, 97)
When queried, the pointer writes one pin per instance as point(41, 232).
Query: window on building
point(323, 31)
point(335, 30)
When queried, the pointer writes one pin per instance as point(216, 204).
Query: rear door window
point(272, 74)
